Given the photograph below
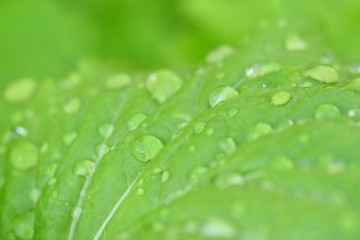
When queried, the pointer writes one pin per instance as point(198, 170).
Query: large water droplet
point(106, 130)
point(220, 94)
point(69, 138)
point(199, 127)
point(326, 111)
point(163, 84)
point(280, 98)
point(20, 90)
point(24, 155)
point(262, 69)
point(225, 180)
point(72, 106)
point(146, 147)
point(227, 145)
point(23, 226)
point(294, 42)
point(135, 121)
point(118, 81)
point(323, 74)
point(84, 168)
point(219, 54)
point(259, 130)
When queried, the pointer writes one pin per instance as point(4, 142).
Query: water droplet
point(75, 213)
point(140, 191)
point(332, 165)
point(23, 225)
point(50, 170)
point(217, 228)
point(326, 111)
point(306, 84)
point(84, 168)
point(102, 149)
point(141, 182)
point(323, 74)
point(34, 194)
point(165, 176)
point(157, 170)
point(197, 172)
point(163, 84)
point(118, 81)
point(55, 194)
point(20, 90)
point(106, 130)
point(210, 132)
point(69, 138)
point(72, 106)
point(44, 147)
point(226, 180)
point(294, 42)
point(199, 127)
point(73, 80)
point(353, 112)
point(24, 155)
point(227, 145)
point(21, 131)
point(232, 112)
point(52, 181)
point(146, 147)
point(280, 98)
point(219, 54)
point(220, 94)
point(192, 148)
point(262, 69)
point(135, 121)
point(259, 130)
point(281, 163)
point(353, 85)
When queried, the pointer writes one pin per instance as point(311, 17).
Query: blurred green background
point(47, 38)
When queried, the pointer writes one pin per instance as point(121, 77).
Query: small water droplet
point(50, 170)
point(232, 112)
point(55, 194)
point(326, 111)
point(44, 147)
point(118, 81)
point(157, 170)
point(135, 121)
point(146, 147)
point(262, 69)
point(102, 149)
point(140, 191)
point(227, 145)
point(199, 127)
point(19, 130)
point(52, 181)
point(323, 74)
point(306, 84)
point(259, 130)
point(165, 176)
point(24, 156)
point(163, 84)
point(226, 180)
point(281, 163)
point(192, 148)
point(219, 54)
point(84, 168)
point(197, 172)
point(294, 42)
point(280, 98)
point(75, 213)
point(23, 225)
point(106, 130)
point(141, 182)
point(34, 194)
point(72, 106)
point(353, 112)
point(210, 132)
point(217, 228)
point(20, 90)
point(69, 138)
point(220, 94)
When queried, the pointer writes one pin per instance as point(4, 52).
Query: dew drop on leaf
point(102, 149)
point(225, 180)
point(20, 90)
point(146, 147)
point(140, 191)
point(220, 94)
point(306, 84)
point(294, 42)
point(163, 84)
point(259, 130)
point(197, 172)
point(227, 145)
point(323, 74)
point(165, 176)
point(326, 111)
point(72, 106)
point(23, 226)
point(281, 163)
point(52, 181)
point(262, 69)
point(199, 127)
point(75, 213)
point(232, 112)
point(280, 98)
point(135, 121)
point(84, 168)
point(216, 228)
point(106, 129)
point(219, 54)
point(24, 155)
point(34, 194)
point(118, 81)
point(69, 138)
